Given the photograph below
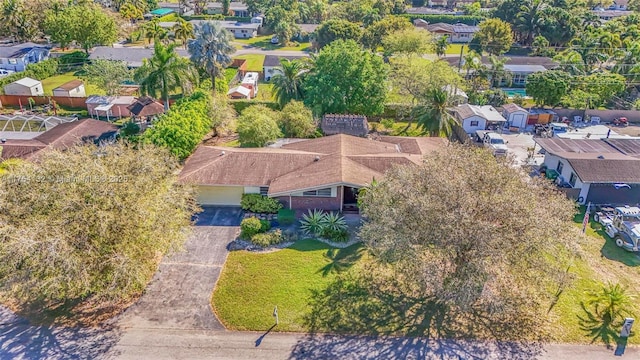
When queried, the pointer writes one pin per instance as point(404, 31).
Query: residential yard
point(397, 128)
point(265, 92)
point(264, 42)
point(229, 74)
point(454, 49)
point(251, 284)
point(254, 61)
point(53, 82)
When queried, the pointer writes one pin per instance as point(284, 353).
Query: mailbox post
point(626, 327)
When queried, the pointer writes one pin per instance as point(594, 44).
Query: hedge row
point(39, 71)
point(239, 105)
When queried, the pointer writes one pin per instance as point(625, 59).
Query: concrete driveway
point(179, 295)
point(219, 216)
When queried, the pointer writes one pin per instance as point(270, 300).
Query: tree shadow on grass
point(598, 328)
point(400, 326)
point(21, 339)
point(341, 259)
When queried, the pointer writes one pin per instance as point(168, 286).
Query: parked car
point(274, 39)
point(492, 141)
point(621, 121)
point(622, 224)
point(4, 72)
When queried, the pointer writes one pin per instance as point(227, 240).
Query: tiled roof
point(69, 85)
point(146, 106)
point(355, 125)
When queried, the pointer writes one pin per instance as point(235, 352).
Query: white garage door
point(220, 195)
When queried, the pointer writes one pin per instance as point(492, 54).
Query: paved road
point(270, 52)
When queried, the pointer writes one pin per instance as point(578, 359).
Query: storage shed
point(73, 88)
point(25, 87)
point(516, 116)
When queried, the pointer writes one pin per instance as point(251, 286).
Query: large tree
point(495, 36)
point(296, 121)
point(211, 50)
point(408, 41)
point(334, 29)
point(374, 33)
point(164, 72)
point(433, 114)
point(548, 87)
point(88, 25)
point(89, 222)
point(472, 236)
point(258, 126)
point(346, 79)
point(107, 74)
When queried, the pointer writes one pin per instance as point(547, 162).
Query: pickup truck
point(492, 141)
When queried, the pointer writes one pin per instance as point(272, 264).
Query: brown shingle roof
point(69, 85)
point(146, 106)
point(60, 137)
point(559, 145)
point(625, 146)
point(511, 108)
point(305, 164)
point(355, 125)
point(607, 170)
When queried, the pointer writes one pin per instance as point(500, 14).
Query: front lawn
point(251, 284)
point(254, 61)
point(265, 92)
point(53, 82)
point(398, 128)
point(264, 42)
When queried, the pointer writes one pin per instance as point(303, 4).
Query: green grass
point(264, 42)
point(251, 285)
point(399, 128)
point(229, 74)
point(254, 61)
point(232, 143)
point(454, 49)
point(265, 92)
point(53, 82)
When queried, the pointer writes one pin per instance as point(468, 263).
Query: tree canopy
point(107, 74)
point(495, 36)
point(548, 87)
point(346, 78)
point(296, 121)
point(89, 222)
point(258, 126)
point(332, 30)
point(211, 50)
point(472, 234)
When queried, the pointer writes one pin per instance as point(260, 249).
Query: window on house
point(474, 123)
point(320, 192)
point(572, 179)
point(13, 61)
point(559, 167)
point(264, 190)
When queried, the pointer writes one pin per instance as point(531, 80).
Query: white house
point(73, 88)
point(600, 171)
point(271, 65)
point(456, 33)
point(17, 57)
point(515, 115)
point(25, 87)
point(474, 117)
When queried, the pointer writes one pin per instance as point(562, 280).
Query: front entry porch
point(350, 200)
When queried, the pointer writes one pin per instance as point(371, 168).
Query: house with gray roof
point(456, 33)
point(237, 8)
point(132, 56)
point(16, 57)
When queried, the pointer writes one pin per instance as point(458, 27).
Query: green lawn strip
point(254, 61)
point(264, 42)
point(399, 128)
point(53, 82)
point(601, 261)
point(265, 92)
point(229, 74)
point(251, 284)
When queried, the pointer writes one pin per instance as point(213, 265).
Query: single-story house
point(109, 106)
point(160, 12)
point(354, 125)
point(17, 57)
point(457, 33)
point(520, 66)
point(600, 171)
point(240, 30)
point(133, 57)
point(619, 5)
point(519, 73)
point(434, 9)
point(59, 137)
point(271, 65)
point(323, 173)
point(516, 116)
point(145, 108)
point(25, 87)
point(73, 88)
point(456, 95)
point(606, 15)
point(239, 92)
point(475, 117)
point(238, 9)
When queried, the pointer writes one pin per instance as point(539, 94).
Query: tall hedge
point(447, 19)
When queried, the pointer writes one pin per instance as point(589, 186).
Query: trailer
point(621, 224)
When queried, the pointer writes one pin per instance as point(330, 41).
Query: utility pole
point(460, 60)
point(275, 314)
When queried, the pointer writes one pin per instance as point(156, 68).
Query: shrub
point(72, 60)
point(311, 223)
point(268, 238)
point(265, 225)
point(250, 227)
point(260, 204)
point(333, 222)
point(286, 216)
point(340, 235)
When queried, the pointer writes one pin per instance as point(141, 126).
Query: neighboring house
point(73, 88)
point(160, 12)
point(132, 56)
point(519, 73)
point(475, 117)
point(520, 66)
point(237, 9)
point(145, 108)
point(250, 81)
point(438, 10)
point(239, 92)
point(109, 107)
point(619, 5)
point(606, 15)
point(17, 57)
point(456, 95)
point(600, 171)
point(516, 116)
point(354, 125)
point(240, 30)
point(24, 87)
point(271, 65)
point(323, 173)
point(456, 33)
point(59, 137)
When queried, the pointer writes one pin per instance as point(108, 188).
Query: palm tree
point(441, 45)
point(10, 12)
point(153, 31)
point(164, 72)
point(183, 30)
point(611, 302)
point(530, 19)
point(498, 72)
point(211, 50)
point(287, 85)
point(433, 117)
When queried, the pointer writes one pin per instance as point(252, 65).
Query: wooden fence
point(17, 100)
